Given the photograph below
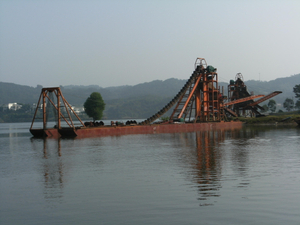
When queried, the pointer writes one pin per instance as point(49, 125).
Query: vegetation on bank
point(276, 118)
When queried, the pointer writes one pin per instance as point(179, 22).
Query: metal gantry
point(201, 101)
point(241, 101)
point(61, 108)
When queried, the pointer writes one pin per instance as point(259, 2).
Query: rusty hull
point(85, 132)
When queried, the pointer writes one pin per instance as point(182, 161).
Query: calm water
point(247, 176)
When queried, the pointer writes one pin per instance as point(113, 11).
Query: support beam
point(230, 111)
point(242, 100)
point(190, 96)
point(271, 95)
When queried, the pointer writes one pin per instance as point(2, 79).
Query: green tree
point(265, 108)
point(272, 105)
point(288, 104)
point(94, 106)
point(296, 90)
point(25, 108)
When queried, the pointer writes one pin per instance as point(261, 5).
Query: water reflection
point(207, 149)
point(202, 155)
point(206, 158)
point(52, 167)
point(208, 165)
point(57, 158)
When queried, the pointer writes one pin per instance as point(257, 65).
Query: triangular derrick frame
point(59, 99)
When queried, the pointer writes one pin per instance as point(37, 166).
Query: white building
point(14, 106)
point(78, 110)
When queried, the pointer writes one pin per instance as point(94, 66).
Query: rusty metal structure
point(200, 99)
point(52, 104)
point(240, 101)
point(199, 105)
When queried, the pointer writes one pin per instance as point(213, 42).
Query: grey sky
point(112, 43)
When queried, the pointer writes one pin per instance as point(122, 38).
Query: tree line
point(289, 104)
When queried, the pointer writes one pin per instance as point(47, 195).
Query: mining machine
point(202, 100)
point(240, 101)
point(199, 100)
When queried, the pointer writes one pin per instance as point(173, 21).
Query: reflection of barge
point(197, 106)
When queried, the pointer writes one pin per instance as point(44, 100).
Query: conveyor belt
point(183, 90)
point(271, 95)
point(242, 100)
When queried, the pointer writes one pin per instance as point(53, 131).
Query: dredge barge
point(200, 105)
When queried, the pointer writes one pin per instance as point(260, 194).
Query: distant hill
point(10, 93)
point(138, 101)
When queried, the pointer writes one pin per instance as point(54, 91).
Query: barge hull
point(43, 133)
point(85, 132)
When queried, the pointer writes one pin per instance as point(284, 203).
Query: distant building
point(14, 106)
point(78, 110)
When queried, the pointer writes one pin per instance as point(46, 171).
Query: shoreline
point(271, 120)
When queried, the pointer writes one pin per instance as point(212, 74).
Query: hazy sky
point(112, 43)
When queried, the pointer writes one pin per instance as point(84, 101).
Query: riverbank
point(272, 119)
